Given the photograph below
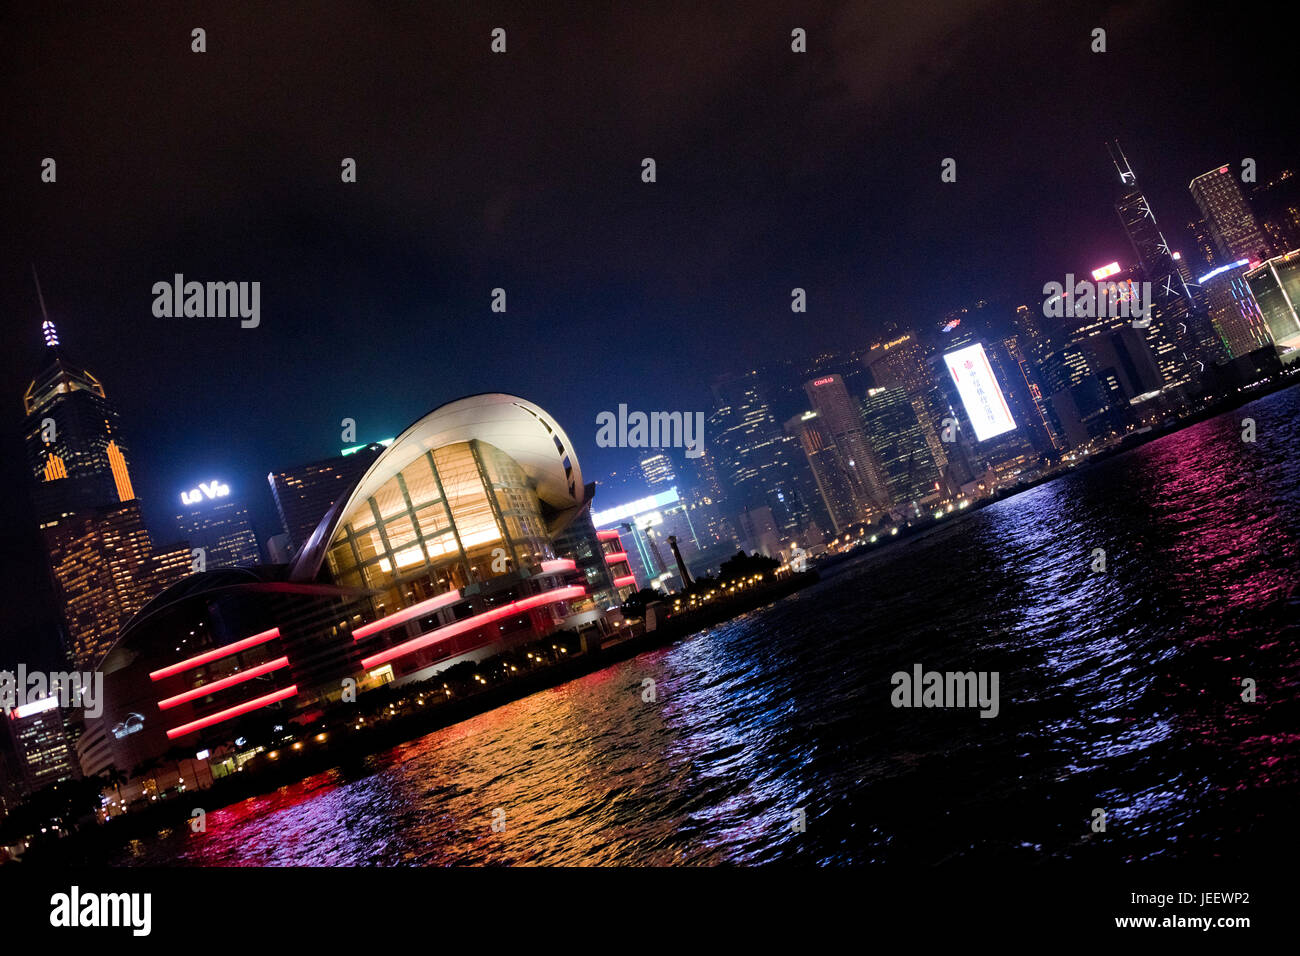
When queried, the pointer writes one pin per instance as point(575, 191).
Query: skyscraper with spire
point(1180, 335)
point(72, 436)
point(102, 562)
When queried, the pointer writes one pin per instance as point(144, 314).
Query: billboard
point(985, 405)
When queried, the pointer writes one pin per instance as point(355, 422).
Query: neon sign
point(209, 490)
point(1104, 271)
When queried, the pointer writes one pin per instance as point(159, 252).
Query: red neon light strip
point(216, 655)
point(222, 684)
point(616, 557)
point(230, 712)
point(624, 581)
point(478, 620)
point(607, 535)
point(406, 614)
point(559, 564)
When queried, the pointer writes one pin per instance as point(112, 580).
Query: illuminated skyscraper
point(210, 519)
point(833, 483)
point(840, 420)
point(1233, 309)
point(101, 560)
point(303, 494)
point(41, 744)
point(1277, 203)
point(75, 450)
point(658, 471)
point(760, 465)
point(1232, 224)
point(1180, 337)
point(105, 570)
point(706, 501)
point(1038, 422)
point(1203, 244)
point(895, 435)
point(898, 361)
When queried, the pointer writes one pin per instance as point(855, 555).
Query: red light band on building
point(607, 535)
point(625, 581)
point(406, 614)
point(616, 557)
point(559, 564)
point(222, 684)
point(216, 655)
point(470, 623)
point(230, 712)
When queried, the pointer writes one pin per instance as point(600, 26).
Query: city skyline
point(827, 435)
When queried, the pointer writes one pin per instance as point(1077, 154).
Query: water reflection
point(1119, 690)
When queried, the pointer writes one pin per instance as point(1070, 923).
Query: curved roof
point(519, 428)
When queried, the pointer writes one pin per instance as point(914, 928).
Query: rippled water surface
point(1118, 691)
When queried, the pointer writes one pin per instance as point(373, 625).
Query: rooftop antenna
point(47, 327)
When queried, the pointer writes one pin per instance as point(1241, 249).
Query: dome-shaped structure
point(444, 550)
point(522, 430)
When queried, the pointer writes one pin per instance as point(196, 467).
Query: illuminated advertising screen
point(985, 405)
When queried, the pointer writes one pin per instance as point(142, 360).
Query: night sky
point(478, 170)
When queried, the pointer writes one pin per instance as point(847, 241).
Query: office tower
point(303, 494)
point(847, 365)
point(105, 570)
point(1092, 378)
point(706, 501)
point(72, 436)
point(1202, 242)
point(39, 734)
point(1046, 434)
point(1275, 284)
point(759, 464)
point(833, 483)
point(898, 361)
point(840, 419)
point(1277, 204)
point(1233, 309)
point(1180, 337)
point(895, 434)
point(219, 524)
point(101, 560)
point(983, 390)
point(1232, 224)
point(657, 470)
point(1200, 305)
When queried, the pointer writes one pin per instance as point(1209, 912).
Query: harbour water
point(773, 737)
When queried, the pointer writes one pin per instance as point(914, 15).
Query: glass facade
point(453, 518)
